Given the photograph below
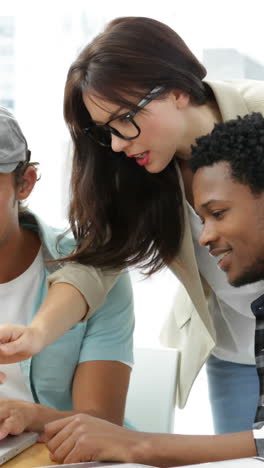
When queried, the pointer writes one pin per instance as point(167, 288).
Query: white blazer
point(189, 326)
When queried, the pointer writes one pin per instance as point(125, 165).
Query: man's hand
point(18, 342)
point(85, 438)
point(15, 416)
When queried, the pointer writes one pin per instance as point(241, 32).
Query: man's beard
point(251, 274)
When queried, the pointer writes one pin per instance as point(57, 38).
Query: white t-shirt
point(235, 323)
point(17, 299)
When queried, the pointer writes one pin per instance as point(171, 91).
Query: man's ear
point(27, 183)
point(182, 99)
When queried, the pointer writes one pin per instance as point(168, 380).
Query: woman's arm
point(63, 307)
point(75, 292)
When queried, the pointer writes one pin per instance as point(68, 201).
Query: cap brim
point(7, 168)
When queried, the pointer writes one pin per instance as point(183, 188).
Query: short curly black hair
point(239, 142)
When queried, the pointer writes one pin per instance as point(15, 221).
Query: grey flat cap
point(13, 145)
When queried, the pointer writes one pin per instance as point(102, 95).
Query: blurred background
point(38, 42)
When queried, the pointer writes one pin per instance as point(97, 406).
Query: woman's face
point(163, 126)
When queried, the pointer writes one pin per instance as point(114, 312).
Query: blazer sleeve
point(93, 283)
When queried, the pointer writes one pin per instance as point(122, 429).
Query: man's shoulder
point(56, 241)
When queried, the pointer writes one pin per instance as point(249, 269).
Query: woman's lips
point(142, 159)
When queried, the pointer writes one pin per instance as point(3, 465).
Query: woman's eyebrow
point(100, 106)
point(112, 116)
point(118, 114)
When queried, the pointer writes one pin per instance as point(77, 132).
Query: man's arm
point(99, 389)
point(85, 438)
point(106, 355)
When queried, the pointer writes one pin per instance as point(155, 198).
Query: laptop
point(12, 445)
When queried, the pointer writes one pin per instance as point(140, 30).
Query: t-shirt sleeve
point(93, 283)
point(109, 332)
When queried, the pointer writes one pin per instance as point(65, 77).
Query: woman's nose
point(119, 144)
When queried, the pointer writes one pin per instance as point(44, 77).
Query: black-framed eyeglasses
point(128, 127)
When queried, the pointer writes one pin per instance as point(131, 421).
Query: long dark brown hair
point(120, 214)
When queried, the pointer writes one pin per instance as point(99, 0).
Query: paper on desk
point(239, 463)
point(100, 465)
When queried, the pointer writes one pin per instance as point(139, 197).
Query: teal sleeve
point(109, 331)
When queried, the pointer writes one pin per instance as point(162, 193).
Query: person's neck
point(18, 254)
point(201, 120)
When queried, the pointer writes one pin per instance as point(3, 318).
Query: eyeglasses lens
point(101, 135)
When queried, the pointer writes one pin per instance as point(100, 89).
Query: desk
point(34, 456)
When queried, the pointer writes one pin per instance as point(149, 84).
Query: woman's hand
point(85, 438)
point(16, 416)
point(18, 342)
point(62, 308)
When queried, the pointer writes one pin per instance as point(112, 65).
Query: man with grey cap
point(13, 148)
point(87, 369)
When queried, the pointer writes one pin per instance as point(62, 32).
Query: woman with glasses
point(135, 102)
